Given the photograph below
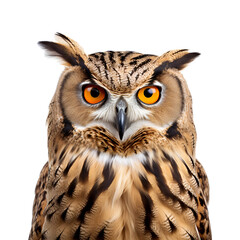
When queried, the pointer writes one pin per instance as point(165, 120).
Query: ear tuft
point(66, 49)
point(177, 59)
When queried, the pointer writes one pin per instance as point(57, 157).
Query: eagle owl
point(121, 142)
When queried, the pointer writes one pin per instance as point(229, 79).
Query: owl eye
point(93, 94)
point(149, 95)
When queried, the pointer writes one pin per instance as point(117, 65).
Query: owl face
point(120, 91)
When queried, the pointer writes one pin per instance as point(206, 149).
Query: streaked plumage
point(120, 168)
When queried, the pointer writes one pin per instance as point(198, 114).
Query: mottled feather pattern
point(202, 176)
point(128, 68)
point(96, 185)
point(175, 192)
point(39, 204)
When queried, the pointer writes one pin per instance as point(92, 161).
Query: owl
point(121, 143)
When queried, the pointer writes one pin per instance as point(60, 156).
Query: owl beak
point(121, 113)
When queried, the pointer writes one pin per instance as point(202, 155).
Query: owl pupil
point(148, 92)
point(95, 92)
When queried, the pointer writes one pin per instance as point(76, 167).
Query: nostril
point(126, 110)
point(117, 109)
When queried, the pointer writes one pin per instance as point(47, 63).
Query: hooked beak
point(121, 115)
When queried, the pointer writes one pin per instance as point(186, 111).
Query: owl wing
point(39, 205)
point(203, 179)
point(203, 223)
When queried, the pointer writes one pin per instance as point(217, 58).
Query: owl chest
point(91, 194)
point(94, 194)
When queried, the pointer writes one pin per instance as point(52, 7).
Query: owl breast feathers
point(121, 142)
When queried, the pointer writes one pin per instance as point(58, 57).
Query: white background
point(28, 81)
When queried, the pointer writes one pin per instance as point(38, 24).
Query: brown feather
point(39, 205)
point(96, 186)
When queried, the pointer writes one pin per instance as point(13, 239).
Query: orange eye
point(149, 94)
point(93, 94)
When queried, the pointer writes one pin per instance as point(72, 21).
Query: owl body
point(121, 145)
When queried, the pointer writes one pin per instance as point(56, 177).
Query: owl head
point(122, 92)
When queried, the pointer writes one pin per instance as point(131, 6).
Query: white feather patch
point(116, 159)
